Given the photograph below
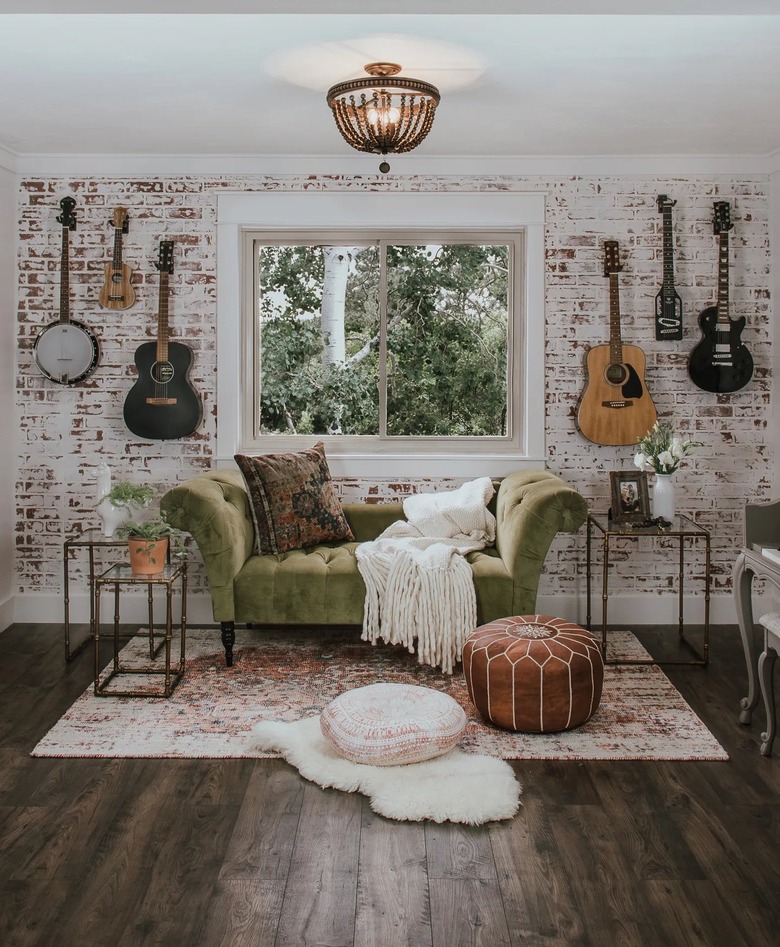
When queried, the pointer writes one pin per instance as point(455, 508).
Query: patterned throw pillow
point(391, 724)
point(293, 500)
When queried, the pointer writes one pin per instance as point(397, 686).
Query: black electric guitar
point(668, 305)
point(66, 351)
point(162, 404)
point(616, 407)
point(721, 362)
point(116, 291)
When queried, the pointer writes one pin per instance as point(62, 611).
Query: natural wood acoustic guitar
point(615, 407)
point(116, 292)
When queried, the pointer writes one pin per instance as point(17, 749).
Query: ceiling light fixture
point(384, 113)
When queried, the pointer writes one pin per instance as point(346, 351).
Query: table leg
point(680, 592)
point(150, 604)
point(742, 579)
point(707, 580)
point(766, 663)
point(96, 605)
point(116, 627)
point(183, 617)
point(587, 573)
point(66, 599)
point(604, 595)
point(168, 635)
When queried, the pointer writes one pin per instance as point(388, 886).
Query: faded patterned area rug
point(292, 675)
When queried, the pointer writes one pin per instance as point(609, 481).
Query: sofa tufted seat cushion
point(392, 724)
point(269, 589)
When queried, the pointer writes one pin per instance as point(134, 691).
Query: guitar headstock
point(722, 219)
point(119, 219)
point(67, 218)
point(611, 257)
point(664, 203)
point(165, 257)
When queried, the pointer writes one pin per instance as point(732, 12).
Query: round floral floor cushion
point(533, 673)
point(389, 724)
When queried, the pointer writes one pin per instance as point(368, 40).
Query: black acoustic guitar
point(668, 305)
point(162, 404)
point(721, 362)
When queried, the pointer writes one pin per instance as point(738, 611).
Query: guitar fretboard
point(723, 280)
point(162, 319)
point(64, 279)
point(668, 250)
point(615, 342)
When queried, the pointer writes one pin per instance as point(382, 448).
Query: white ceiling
point(525, 83)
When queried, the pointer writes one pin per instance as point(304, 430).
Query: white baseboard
point(6, 612)
point(626, 610)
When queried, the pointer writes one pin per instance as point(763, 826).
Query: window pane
point(319, 339)
point(447, 340)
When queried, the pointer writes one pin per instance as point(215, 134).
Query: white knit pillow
point(389, 724)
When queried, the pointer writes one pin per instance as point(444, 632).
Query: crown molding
point(9, 160)
point(111, 165)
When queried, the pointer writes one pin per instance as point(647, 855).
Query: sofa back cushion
point(293, 501)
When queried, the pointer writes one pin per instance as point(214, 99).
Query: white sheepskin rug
point(456, 787)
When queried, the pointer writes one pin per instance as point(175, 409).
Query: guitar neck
point(668, 251)
point(615, 342)
point(64, 279)
point(723, 279)
point(117, 260)
point(162, 319)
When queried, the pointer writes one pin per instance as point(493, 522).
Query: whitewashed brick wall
point(66, 432)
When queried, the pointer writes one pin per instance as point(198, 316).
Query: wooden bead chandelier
point(384, 113)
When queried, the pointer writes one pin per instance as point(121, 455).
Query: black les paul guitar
point(721, 362)
point(162, 404)
point(668, 305)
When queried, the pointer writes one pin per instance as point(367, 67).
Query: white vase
point(111, 516)
point(663, 496)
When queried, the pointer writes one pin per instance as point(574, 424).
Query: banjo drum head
point(66, 352)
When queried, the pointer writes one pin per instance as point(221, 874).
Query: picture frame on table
point(630, 496)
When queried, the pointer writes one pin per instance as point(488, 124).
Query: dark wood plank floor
point(200, 853)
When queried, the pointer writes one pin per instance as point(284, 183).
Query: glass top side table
point(121, 576)
point(91, 539)
point(682, 528)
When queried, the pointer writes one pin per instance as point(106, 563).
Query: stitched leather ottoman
point(533, 673)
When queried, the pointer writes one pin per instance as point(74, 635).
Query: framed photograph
point(630, 496)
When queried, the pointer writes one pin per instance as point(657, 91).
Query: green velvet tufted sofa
point(321, 585)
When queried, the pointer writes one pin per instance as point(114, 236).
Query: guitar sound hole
point(116, 278)
point(616, 374)
point(162, 372)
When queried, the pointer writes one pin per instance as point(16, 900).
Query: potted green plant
point(148, 542)
point(120, 503)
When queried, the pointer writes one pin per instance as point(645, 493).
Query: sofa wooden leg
point(228, 640)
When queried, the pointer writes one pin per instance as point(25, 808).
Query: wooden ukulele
point(66, 351)
point(615, 407)
point(668, 305)
point(721, 362)
point(116, 292)
point(162, 404)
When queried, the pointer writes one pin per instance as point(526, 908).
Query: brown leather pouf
point(533, 673)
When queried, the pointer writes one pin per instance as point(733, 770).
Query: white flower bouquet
point(661, 450)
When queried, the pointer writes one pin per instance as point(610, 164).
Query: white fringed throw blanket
point(418, 583)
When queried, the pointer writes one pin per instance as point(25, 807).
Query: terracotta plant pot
point(147, 557)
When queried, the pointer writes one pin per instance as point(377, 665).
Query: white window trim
point(408, 211)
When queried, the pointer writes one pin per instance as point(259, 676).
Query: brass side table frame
point(90, 539)
point(683, 528)
point(120, 576)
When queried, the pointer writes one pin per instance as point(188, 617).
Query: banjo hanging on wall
point(66, 351)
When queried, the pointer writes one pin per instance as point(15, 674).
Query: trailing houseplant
point(148, 542)
point(120, 502)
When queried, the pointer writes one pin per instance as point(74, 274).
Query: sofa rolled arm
point(214, 509)
point(531, 508)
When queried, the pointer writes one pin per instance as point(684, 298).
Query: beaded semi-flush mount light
point(384, 113)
